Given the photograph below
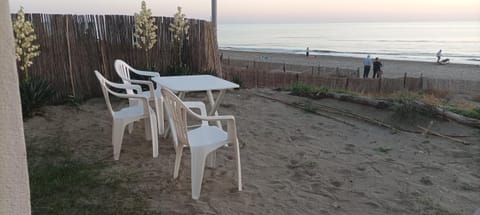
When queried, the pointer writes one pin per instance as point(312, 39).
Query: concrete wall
point(14, 187)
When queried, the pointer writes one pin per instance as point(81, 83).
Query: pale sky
point(273, 11)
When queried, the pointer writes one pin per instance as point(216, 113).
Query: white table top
point(190, 83)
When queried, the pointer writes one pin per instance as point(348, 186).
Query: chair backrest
point(177, 112)
point(123, 70)
point(105, 89)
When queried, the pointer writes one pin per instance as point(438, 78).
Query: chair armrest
point(200, 106)
point(216, 118)
point(128, 96)
point(125, 86)
point(148, 83)
point(142, 98)
point(146, 73)
point(197, 105)
point(231, 125)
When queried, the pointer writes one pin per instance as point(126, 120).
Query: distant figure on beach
point(439, 55)
point(367, 63)
point(440, 61)
point(308, 52)
point(377, 68)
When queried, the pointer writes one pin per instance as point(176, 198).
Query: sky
point(273, 11)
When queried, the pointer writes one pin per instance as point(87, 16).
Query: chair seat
point(207, 135)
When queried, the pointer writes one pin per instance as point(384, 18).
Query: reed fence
point(261, 75)
point(282, 67)
point(73, 46)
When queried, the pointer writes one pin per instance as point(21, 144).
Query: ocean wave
point(410, 41)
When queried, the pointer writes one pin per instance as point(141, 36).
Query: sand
point(392, 68)
point(294, 162)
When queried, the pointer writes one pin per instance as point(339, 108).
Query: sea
point(417, 41)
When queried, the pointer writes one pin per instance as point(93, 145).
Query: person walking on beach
point(377, 68)
point(367, 62)
point(439, 55)
point(308, 52)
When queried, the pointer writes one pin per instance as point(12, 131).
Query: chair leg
point(178, 160)
point(130, 127)
point(211, 158)
point(198, 166)
point(239, 165)
point(160, 118)
point(148, 130)
point(117, 138)
point(154, 135)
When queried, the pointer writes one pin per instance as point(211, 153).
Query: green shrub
point(74, 101)
point(174, 70)
point(35, 93)
point(209, 72)
point(309, 107)
point(407, 107)
point(236, 79)
point(302, 89)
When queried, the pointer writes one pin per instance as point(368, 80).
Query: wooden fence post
point(404, 80)
point(69, 56)
point(255, 75)
point(379, 85)
point(358, 72)
point(346, 84)
point(421, 81)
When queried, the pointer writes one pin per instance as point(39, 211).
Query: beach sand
point(392, 68)
point(293, 162)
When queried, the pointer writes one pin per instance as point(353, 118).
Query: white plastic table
point(197, 83)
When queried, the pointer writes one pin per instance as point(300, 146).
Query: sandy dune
point(294, 162)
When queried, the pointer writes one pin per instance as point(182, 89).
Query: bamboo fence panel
point(280, 67)
point(72, 46)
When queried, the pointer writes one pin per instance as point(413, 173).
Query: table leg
point(181, 95)
point(214, 103)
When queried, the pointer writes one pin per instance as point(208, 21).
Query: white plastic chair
point(123, 70)
point(128, 115)
point(202, 140)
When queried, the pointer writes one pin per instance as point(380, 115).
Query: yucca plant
point(179, 28)
point(25, 49)
point(34, 91)
point(145, 31)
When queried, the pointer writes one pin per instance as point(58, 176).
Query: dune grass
point(474, 113)
point(406, 108)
